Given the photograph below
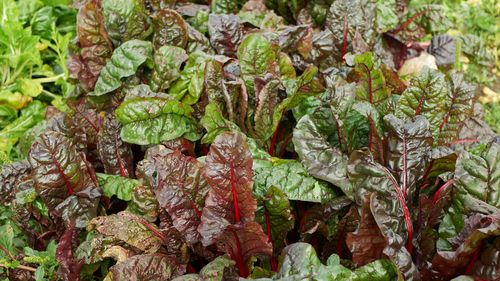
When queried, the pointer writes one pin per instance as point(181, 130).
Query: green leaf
point(215, 123)
point(321, 159)
point(144, 203)
point(478, 176)
point(116, 185)
point(426, 96)
point(256, 58)
point(125, 20)
point(7, 115)
point(293, 179)
point(274, 214)
point(168, 60)
point(169, 29)
point(150, 120)
point(124, 62)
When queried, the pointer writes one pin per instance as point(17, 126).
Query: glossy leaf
point(125, 20)
point(143, 203)
point(181, 190)
point(320, 158)
point(69, 267)
point(129, 228)
point(10, 176)
point(117, 185)
point(292, 179)
point(274, 215)
point(425, 96)
point(167, 64)
point(442, 47)
point(477, 176)
point(169, 117)
point(226, 33)
point(242, 242)
point(228, 170)
point(123, 63)
point(63, 178)
point(169, 29)
point(256, 58)
point(217, 270)
point(96, 47)
point(215, 123)
point(115, 154)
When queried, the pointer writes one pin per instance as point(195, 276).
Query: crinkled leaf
point(116, 185)
point(151, 120)
point(458, 107)
point(10, 176)
point(256, 58)
point(129, 228)
point(96, 47)
point(320, 158)
point(69, 267)
point(226, 33)
point(167, 64)
point(242, 242)
point(442, 47)
point(478, 176)
point(115, 154)
point(219, 269)
point(147, 267)
point(169, 29)
point(181, 190)
point(63, 178)
point(228, 170)
point(125, 20)
point(143, 203)
point(274, 215)
point(215, 123)
point(291, 177)
point(124, 62)
point(406, 147)
point(425, 96)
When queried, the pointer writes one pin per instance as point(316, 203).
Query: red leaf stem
point(146, 225)
point(436, 196)
point(239, 258)
point(235, 201)
point(273, 140)
point(284, 145)
point(8, 254)
point(410, 20)
point(345, 36)
point(466, 140)
point(63, 176)
point(474, 258)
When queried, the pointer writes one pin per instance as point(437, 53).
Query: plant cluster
point(267, 140)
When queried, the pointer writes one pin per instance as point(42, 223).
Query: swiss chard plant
point(267, 140)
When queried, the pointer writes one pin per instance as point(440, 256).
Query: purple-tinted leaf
point(147, 267)
point(406, 147)
point(397, 48)
point(181, 190)
point(442, 47)
point(96, 47)
point(367, 242)
point(125, 20)
point(115, 154)
point(69, 267)
point(296, 38)
point(129, 228)
point(169, 29)
point(10, 176)
point(226, 33)
point(63, 178)
point(242, 242)
point(228, 170)
point(447, 264)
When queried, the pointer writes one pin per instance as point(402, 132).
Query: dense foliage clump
point(267, 140)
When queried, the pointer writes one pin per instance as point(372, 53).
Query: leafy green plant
point(266, 140)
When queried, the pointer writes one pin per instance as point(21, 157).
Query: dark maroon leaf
point(181, 190)
point(69, 267)
point(367, 242)
point(63, 178)
point(115, 154)
point(10, 176)
point(442, 47)
point(96, 47)
point(226, 33)
point(228, 170)
point(242, 242)
point(397, 48)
